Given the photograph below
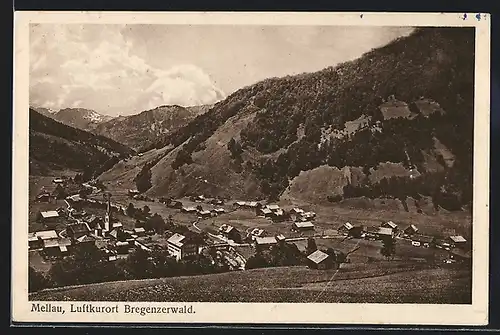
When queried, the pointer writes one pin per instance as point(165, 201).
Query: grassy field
point(381, 282)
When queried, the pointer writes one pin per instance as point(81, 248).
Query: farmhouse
point(280, 238)
point(278, 215)
point(46, 235)
point(256, 232)
point(457, 241)
point(122, 247)
point(240, 204)
point(57, 247)
point(180, 247)
point(49, 216)
point(189, 210)
point(384, 232)
point(303, 226)
point(230, 232)
point(205, 213)
point(85, 240)
point(410, 230)
point(296, 211)
point(273, 208)
point(390, 224)
point(265, 242)
point(44, 197)
point(217, 202)
point(320, 260)
point(345, 228)
point(218, 211)
point(77, 230)
point(309, 215)
point(419, 240)
point(265, 212)
point(139, 231)
point(117, 225)
point(58, 181)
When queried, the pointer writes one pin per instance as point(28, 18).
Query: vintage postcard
point(279, 168)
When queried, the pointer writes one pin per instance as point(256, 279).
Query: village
point(86, 215)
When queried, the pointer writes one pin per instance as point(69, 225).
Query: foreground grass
point(381, 282)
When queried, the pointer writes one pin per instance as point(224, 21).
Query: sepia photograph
point(266, 162)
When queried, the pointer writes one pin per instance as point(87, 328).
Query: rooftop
point(318, 256)
point(391, 224)
point(385, 231)
point(46, 234)
point(458, 239)
point(266, 240)
point(422, 238)
point(50, 214)
point(348, 225)
point(176, 240)
point(306, 224)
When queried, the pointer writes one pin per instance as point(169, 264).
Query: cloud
point(93, 66)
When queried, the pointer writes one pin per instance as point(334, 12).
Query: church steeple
point(107, 216)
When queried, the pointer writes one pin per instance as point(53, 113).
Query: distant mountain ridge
point(145, 128)
point(81, 118)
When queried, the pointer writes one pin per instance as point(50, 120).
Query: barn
point(320, 260)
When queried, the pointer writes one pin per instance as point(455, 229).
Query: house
point(230, 232)
point(278, 215)
point(239, 204)
point(85, 240)
point(410, 230)
point(384, 233)
point(265, 212)
point(265, 242)
point(122, 247)
point(273, 208)
point(308, 216)
point(180, 247)
point(297, 211)
point(77, 230)
point(442, 244)
point(44, 197)
point(57, 247)
point(205, 213)
point(345, 228)
point(457, 241)
point(140, 231)
point(58, 181)
point(218, 211)
point(117, 226)
point(188, 210)
point(419, 240)
point(49, 217)
point(253, 204)
point(217, 202)
point(320, 260)
point(280, 238)
point(256, 232)
point(303, 226)
point(45, 236)
point(390, 224)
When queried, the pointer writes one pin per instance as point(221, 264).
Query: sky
point(125, 69)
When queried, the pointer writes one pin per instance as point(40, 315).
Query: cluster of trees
point(90, 265)
point(286, 254)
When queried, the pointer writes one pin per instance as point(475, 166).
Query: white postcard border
point(397, 314)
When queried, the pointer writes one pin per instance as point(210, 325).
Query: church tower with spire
point(107, 217)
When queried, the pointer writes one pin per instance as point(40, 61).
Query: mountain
point(45, 111)
point(56, 146)
point(395, 123)
point(81, 118)
point(145, 128)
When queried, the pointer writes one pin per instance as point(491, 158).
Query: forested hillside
point(56, 146)
point(409, 102)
